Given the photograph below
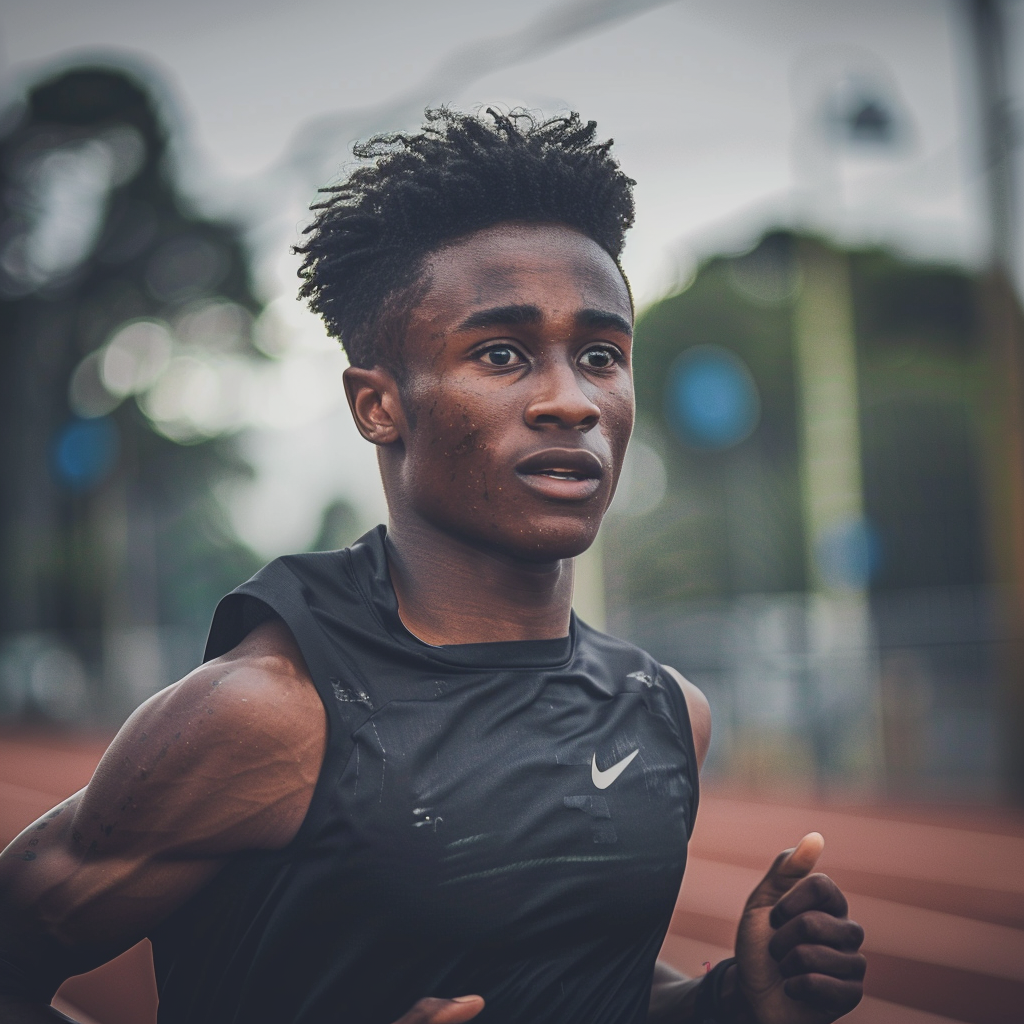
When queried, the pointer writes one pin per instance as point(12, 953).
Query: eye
point(501, 355)
point(600, 357)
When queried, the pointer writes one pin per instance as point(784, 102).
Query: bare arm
point(222, 762)
point(673, 995)
point(674, 999)
point(797, 951)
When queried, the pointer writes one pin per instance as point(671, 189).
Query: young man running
point(407, 775)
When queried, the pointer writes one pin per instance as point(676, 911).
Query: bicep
point(220, 763)
point(98, 870)
point(699, 711)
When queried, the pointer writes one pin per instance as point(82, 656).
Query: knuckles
point(824, 890)
point(825, 961)
point(815, 892)
point(816, 928)
point(801, 960)
point(827, 994)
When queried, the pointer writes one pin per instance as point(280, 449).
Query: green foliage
point(95, 234)
point(923, 373)
point(730, 520)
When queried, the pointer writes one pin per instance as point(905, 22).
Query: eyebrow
point(515, 316)
point(501, 316)
point(602, 320)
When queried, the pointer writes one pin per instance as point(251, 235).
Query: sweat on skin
point(499, 446)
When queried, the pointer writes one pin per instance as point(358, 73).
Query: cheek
point(617, 418)
point(455, 450)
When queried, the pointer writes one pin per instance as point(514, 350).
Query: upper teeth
point(570, 473)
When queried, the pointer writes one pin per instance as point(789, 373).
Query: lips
point(566, 474)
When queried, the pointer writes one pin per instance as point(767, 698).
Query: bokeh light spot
point(135, 357)
point(85, 451)
point(711, 400)
point(88, 396)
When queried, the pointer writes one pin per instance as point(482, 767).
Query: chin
point(531, 534)
point(550, 541)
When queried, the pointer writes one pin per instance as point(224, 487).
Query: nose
point(560, 402)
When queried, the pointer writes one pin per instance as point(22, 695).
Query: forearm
point(676, 999)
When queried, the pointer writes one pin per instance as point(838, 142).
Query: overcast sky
point(716, 106)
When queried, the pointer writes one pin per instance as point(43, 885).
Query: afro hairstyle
point(417, 192)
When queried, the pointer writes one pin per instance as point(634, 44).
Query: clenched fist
point(797, 951)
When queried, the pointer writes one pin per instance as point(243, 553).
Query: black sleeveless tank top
point(506, 819)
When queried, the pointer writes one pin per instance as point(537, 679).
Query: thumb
point(789, 867)
point(443, 1011)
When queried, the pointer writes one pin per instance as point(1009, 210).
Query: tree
point(718, 576)
point(116, 297)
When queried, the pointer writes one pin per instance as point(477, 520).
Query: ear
point(373, 398)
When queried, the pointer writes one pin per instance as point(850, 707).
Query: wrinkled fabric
point(506, 819)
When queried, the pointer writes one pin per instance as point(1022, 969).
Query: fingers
point(789, 867)
point(829, 995)
point(814, 942)
point(815, 892)
point(443, 1011)
point(816, 928)
point(823, 960)
point(802, 860)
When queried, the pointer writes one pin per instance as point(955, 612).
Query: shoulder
point(227, 758)
point(281, 589)
point(699, 711)
point(223, 762)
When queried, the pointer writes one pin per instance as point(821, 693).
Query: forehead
point(549, 266)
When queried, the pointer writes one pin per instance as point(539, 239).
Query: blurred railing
point(92, 677)
point(907, 707)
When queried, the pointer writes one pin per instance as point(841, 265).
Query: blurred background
point(821, 519)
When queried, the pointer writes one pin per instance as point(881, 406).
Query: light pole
point(1004, 425)
point(848, 110)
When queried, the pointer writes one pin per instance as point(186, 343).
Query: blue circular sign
point(711, 400)
point(84, 451)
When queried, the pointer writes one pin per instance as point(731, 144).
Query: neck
point(450, 592)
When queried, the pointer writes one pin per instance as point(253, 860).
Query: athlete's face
point(516, 406)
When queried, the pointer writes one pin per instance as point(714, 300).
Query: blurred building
point(806, 527)
point(123, 314)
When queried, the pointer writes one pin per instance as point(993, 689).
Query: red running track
point(939, 891)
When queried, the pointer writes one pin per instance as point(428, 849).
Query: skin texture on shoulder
point(700, 713)
point(223, 761)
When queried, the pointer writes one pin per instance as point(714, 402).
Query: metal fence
point(897, 695)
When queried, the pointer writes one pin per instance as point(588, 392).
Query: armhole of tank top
point(279, 591)
point(678, 700)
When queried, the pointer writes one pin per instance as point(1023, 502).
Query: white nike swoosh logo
point(603, 779)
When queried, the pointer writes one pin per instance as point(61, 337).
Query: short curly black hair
point(459, 174)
